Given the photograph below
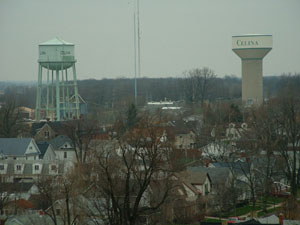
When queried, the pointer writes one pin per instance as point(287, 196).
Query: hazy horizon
point(176, 35)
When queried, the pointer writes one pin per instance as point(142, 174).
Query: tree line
point(195, 86)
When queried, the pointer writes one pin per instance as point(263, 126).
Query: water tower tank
point(56, 54)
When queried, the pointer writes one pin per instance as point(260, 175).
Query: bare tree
point(10, 124)
point(4, 195)
point(197, 83)
point(81, 132)
point(289, 132)
point(263, 128)
point(49, 194)
point(133, 179)
point(58, 197)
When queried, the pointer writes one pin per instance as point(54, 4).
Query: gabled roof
point(59, 141)
point(43, 146)
point(217, 175)
point(14, 146)
point(190, 178)
point(57, 126)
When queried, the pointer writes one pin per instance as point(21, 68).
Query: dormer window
point(36, 167)
point(18, 167)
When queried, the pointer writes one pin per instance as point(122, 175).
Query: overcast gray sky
point(176, 35)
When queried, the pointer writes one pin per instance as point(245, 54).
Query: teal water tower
point(58, 87)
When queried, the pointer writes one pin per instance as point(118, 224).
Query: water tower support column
point(52, 93)
point(68, 95)
point(63, 91)
point(57, 96)
point(76, 92)
point(47, 105)
point(38, 94)
point(252, 81)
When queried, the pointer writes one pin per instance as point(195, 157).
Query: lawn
point(239, 211)
point(212, 220)
point(268, 211)
point(242, 211)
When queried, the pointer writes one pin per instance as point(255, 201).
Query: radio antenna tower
point(137, 46)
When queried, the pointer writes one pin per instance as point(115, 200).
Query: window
point(53, 167)
point(36, 167)
point(65, 155)
point(47, 134)
point(18, 167)
point(58, 212)
point(250, 102)
point(30, 147)
point(206, 189)
point(1, 167)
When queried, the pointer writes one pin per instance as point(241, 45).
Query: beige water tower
point(252, 49)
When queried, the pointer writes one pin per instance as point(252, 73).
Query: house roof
point(17, 187)
point(23, 204)
point(217, 175)
point(182, 127)
point(57, 126)
point(191, 178)
point(43, 146)
point(14, 146)
point(59, 141)
point(28, 167)
point(237, 167)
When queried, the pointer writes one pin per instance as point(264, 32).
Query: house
point(187, 197)
point(47, 151)
point(29, 219)
point(45, 131)
point(18, 207)
point(26, 113)
point(193, 184)
point(19, 190)
point(240, 173)
point(63, 148)
point(185, 135)
point(220, 177)
point(19, 149)
point(12, 171)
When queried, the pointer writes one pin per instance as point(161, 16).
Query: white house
point(19, 149)
point(63, 148)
